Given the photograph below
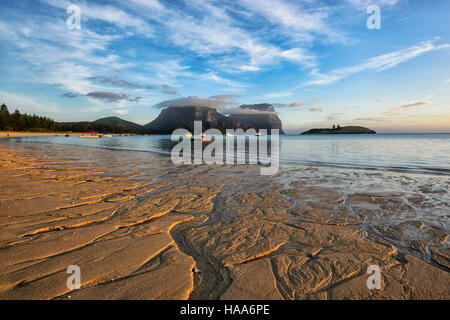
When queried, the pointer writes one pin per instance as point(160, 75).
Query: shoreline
point(141, 228)
point(19, 134)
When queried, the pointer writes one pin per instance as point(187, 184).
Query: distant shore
point(20, 134)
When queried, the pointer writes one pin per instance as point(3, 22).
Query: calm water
point(398, 152)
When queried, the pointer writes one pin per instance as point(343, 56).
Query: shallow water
point(423, 153)
point(409, 209)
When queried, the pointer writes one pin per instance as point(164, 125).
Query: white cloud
point(107, 14)
point(379, 63)
point(249, 68)
point(415, 104)
point(408, 106)
point(212, 31)
point(296, 21)
point(212, 76)
point(276, 95)
point(365, 3)
point(194, 102)
point(121, 111)
point(296, 104)
point(26, 104)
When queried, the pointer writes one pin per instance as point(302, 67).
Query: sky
point(316, 61)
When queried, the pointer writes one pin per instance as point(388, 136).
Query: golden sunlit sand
point(141, 228)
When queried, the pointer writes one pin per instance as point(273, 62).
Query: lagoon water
point(425, 153)
point(404, 177)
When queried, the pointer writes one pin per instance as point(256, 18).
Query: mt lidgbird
point(259, 116)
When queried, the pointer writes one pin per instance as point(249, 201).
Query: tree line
point(18, 121)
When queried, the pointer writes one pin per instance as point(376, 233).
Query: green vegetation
point(341, 130)
point(126, 125)
point(17, 121)
point(86, 126)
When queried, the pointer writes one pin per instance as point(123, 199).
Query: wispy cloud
point(168, 90)
point(114, 82)
point(215, 103)
point(228, 99)
point(107, 13)
point(379, 63)
point(408, 106)
point(112, 97)
point(121, 111)
point(296, 104)
point(70, 95)
point(335, 116)
point(415, 104)
point(275, 95)
point(363, 4)
point(295, 19)
point(27, 104)
point(211, 31)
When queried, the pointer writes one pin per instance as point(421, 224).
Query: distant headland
point(341, 130)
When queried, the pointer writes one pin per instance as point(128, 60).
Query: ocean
point(421, 153)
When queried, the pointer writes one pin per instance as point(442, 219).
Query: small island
point(341, 130)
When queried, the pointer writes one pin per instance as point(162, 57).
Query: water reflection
point(422, 152)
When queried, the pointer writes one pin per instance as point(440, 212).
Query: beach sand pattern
point(141, 228)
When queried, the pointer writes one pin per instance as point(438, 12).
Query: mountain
point(341, 130)
point(174, 118)
point(259, 117)
point(104, 125)
point(117, 122)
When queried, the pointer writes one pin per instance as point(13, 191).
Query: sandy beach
point(141, 228)
point(15, 134)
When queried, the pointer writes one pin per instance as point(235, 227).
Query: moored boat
point(91, 135)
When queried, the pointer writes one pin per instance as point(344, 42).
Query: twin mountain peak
point(257, 116)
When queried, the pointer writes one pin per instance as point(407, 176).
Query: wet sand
point(141, 228)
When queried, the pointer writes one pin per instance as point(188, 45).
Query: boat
point(188, 135)
point(91, 135)
point(107, 136)
point(229, 134)
point(67, 135)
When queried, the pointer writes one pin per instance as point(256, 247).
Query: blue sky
point(315, 60)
